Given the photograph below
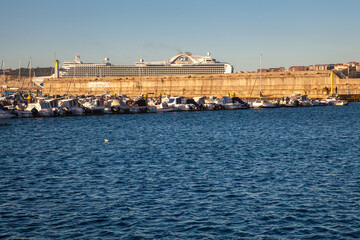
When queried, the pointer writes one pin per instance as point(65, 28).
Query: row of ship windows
point(148, 71)
point(135, 72)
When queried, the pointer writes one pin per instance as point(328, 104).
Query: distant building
point(279, 69)
point(321, 67)
point(340, 67)
point(298, 68)
point(358, 67)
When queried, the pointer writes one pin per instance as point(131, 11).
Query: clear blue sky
point(287, 32)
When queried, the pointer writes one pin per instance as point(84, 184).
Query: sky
point(286, 32)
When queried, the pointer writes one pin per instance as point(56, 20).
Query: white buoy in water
point(106, 140)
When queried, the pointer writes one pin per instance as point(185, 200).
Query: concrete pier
point(316, 84)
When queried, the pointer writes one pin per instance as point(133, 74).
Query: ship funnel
point(77, 58)
point(56, 68)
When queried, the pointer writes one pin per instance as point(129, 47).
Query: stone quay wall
point(244, 85)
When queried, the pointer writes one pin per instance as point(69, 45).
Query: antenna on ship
point(29, 74)
point(139, 66)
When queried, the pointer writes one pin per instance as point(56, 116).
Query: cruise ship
point(182, 63)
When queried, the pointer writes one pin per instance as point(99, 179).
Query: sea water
point(258, 173)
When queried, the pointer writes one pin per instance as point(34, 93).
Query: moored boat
point(68, 107)
point(334, 101)
point(39, 109)
point(263, 104)
point(94, 105)
point(232, 103)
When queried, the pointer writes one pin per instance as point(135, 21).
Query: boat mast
point(260, 72)
point(55, 74)
point(29, 74)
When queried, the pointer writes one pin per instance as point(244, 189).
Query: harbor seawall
point(244, 85)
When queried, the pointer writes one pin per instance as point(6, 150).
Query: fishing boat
point(334, 101)
point(232, 103)
point(206, 103)
point(70, 107)
point(140, 105)
point(263, 104)
point(117, 106)
point(178, 103)
point(164, 107)
point(288, 102)
point(94, 105)
point(39, 109)
point(182, 104)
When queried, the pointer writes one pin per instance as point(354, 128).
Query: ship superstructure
point(182, 63)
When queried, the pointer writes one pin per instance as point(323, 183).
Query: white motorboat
point(183, 104)
point(42, 109)
point(263, 104)
point(207, 103)
point(140, 105)
point(94, 106)
point(302, 99)
point(164, 107)
point(70, 107)
point(53, 103)
point(117, 106)
point(232, 103)
point(334, 101)
point(288, 102)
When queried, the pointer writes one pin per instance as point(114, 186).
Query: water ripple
point(279, 173)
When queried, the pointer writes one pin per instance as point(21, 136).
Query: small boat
point(70, 107)
point(53, 103)
point(39, 109)
point(191, 105)
point(94, 106)
point(263, 104)
point(183, 104)
point(4, 115)
point(140, 105)
point(334, 101)
point(206, 103)
point(232, 103)
point(288, 102)
point(118, 106)
point(303, 100)
point(164, 107)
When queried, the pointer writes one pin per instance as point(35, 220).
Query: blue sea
point(286, 173)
